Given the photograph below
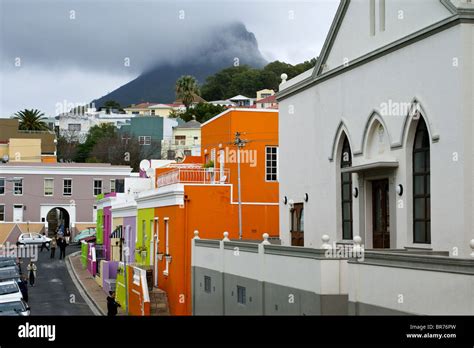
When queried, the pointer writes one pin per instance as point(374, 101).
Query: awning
point(370, 166)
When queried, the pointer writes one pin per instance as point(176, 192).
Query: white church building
point(377, 140)
point(376, 175)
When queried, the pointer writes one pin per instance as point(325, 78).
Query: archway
point(55, 218)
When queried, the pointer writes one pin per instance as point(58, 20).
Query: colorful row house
point(147, 234)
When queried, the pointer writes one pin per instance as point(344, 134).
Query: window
point(241, 296)
point(74, 127)
point(297, 225)
point(120, 185)
point(421, 185)
point(18, 187)
point(48, 187)
point(171, 154)
point(187, 152)
point(2, 213)
point(2, 186)
point(143, 232)
point(180, 139)
point(271, 172)
point(346, 191)
point(207, 284)
point(196, 139)
point(112, 185)
point(97, 187)
point(67, 187)
point(144, 140)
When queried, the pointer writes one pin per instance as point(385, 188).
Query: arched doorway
point(55, 218)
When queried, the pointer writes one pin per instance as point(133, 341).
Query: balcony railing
point(194, 176)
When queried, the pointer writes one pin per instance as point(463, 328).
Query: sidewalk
point(96, 295)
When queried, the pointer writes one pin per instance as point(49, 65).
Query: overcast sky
point(55, 52)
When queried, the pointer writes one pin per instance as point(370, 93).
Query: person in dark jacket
point(62, 248)
point(23, 285)
point(112, 304)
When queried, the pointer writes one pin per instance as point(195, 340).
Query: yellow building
point(264, 93)
point(25, 146)
point(185, 141)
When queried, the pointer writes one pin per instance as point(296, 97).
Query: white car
point(33, 238)
point(10, 291)
point(14, 307)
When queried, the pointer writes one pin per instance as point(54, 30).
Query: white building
point(78, 125)
point(388, 76)
point(376, 152)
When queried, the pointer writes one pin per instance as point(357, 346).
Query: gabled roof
point(190, 124)
point(460, 12)
point(269, 99)
point(240, 97)
point(339, 17)
point(141, 105)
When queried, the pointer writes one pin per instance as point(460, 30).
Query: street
point(54, 292)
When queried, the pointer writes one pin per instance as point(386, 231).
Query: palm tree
point(186, 88)
point(31, 120)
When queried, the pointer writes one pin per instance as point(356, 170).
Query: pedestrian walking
point(44, 245)
point(32, 272)
point(67, 234)
point(53, 247)
point(23, 285)
point(112, 304)
point(62, 248)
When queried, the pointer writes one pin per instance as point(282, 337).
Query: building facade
point(45, 192)
point(394, 160)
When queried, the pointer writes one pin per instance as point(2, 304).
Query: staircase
point(158, 303)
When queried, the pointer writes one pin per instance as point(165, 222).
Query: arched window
point(421, 185)
point(346, 191)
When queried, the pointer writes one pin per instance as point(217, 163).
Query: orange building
point(205, 198)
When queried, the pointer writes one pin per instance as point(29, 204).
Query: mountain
point(221, 50)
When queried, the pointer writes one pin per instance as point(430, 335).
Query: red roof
point(269, 99)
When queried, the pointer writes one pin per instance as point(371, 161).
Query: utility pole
point(239, 143)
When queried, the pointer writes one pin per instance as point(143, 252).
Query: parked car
point(10, 290)
point(33, 239)
point(9, 273)
point(14, 307)
point(7, 263)
point(87, 233)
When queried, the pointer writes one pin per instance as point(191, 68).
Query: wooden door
point(297, 225)
point(380, 214)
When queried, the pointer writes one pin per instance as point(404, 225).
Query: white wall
point(325, 276)
point(423, 71)
point(412, 291)
point(402, 17)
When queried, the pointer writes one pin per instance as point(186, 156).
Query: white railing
point(194, 176)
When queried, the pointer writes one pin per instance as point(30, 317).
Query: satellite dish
point(144, 165)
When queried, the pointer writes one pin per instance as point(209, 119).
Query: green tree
point(104, 130)
point(202, 112)
point(247, 81)
point(112, 105)
point(30, 119)
point(186, 88)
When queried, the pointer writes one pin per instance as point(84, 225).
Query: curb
point(81, 288)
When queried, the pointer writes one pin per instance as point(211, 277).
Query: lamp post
point(240, 143)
